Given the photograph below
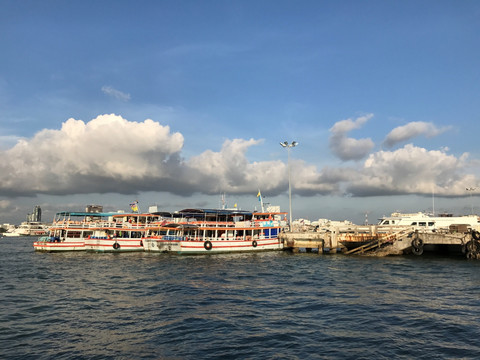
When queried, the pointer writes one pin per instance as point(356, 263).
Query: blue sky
point(175, 102)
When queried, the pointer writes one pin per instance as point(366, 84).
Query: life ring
point(116, 245)
point(207, 245)
point(254, 243)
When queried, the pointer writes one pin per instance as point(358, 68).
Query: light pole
point(288, 146)
point(471, 189)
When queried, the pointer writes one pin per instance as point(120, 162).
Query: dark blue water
point(247, 306)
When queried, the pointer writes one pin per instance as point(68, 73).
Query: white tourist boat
point(209, 231)
point(28, 228)
point(70, 229)
point(422, 221)
point(123, 232)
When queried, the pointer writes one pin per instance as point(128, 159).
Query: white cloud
point(349, 148)
point(110, 154)
point(229, 170)
point(412, 170)
point(117, 94)
point(411, 130)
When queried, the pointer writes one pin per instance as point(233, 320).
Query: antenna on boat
point(471, 189)
point(433, 200)
point(224, 202)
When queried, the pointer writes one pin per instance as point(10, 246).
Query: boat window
point(386, 222)
point(74, 234)
point(431, 223)
point(422, 223)
point(414, 223)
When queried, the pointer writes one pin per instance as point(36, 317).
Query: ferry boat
point(210, 231)
point(70, 229)
point(124, 232)
point(425, 222)
point(28, 228)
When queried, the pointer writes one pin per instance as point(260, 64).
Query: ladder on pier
point(377, 243)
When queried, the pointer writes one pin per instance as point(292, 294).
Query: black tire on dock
point(473, 246)
point(417, 251)
point(116, 245)
point(475, 235)
point(417, 243)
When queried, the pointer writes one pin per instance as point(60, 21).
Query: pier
point(379, 240)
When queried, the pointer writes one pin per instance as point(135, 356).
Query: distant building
point(94, 208)
point(36, 216)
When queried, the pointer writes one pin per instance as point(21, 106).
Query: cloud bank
point(110, 154)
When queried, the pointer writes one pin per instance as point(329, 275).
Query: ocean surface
point(274, 305)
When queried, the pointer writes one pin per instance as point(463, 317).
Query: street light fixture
point(471, 189)
point(288, 146)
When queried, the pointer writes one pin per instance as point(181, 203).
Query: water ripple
point(271, 305)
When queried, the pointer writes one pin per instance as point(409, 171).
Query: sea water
point(273, 305)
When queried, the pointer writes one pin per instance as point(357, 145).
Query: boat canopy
point(214, 212)
point(80, 213)
point(180, 226)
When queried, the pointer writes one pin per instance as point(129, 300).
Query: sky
point(174, 103)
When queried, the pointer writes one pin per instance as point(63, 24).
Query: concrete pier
point(383, 241)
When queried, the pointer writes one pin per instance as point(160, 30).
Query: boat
point(28, 228)
point(211, 231)
point(424, 222)
point(70, 229)
point(123, 232)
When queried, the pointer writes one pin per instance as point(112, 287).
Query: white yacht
point(28, 228)
point(422, 221)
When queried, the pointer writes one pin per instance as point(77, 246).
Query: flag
point(235, 206)
point(259, 195)
point(134, 206)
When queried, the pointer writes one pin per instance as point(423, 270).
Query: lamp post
point(288, 146)
point(471, 189)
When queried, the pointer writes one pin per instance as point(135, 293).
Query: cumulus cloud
point(411, 170)
point(117, 94)
point(411, 130)
point(349, 148)
point(110, 154)
point(229, 170)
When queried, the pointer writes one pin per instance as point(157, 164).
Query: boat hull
point(103, 244)
point(211, 246)
point(51, 246)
